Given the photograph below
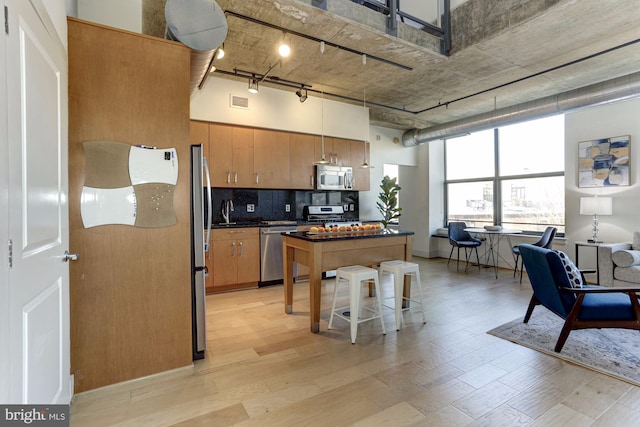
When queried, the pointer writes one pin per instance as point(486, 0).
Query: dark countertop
point(245, 224)
point(324, 237)
point(236, 225)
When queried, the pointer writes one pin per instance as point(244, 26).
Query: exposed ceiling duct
point(612, 90)
point(201, 26)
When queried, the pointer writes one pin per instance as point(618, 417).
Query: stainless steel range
point(323, 213)
point(327, 215)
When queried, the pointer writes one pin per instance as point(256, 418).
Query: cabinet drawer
point(235, 233)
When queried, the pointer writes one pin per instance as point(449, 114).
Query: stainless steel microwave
point(330, 177)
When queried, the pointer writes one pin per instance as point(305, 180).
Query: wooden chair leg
point(532, 304)
point(568, 323)
point(564, 334)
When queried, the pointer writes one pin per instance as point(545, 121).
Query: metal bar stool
point(355, 275)
point(399, 269)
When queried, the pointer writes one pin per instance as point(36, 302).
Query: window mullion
point(497, 193)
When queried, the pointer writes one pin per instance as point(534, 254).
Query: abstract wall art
point(604, 162)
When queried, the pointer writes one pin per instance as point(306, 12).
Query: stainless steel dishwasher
point(271, 251)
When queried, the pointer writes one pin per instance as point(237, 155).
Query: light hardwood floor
point(265, 368)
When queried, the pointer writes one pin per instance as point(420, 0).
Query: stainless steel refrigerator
point(199, 246)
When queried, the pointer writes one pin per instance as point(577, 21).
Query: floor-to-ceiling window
point(511, 176)
point(391, 171)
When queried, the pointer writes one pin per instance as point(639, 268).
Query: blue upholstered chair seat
point(468, 244)
point(614, 306)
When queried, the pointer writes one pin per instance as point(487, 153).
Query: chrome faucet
point(227, 205)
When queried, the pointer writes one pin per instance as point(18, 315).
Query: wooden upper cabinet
point(341, 151)
point(243, 173)
point(271, 158)
point(231, 156)
point(301, 158)
point(361, 177)
point(199, 134)
point(220, 154)
point(244, 157)
point(336, 150)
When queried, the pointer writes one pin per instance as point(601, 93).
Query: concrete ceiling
point(503, 53)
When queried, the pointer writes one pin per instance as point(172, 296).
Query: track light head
point(253, 85)
point(302, 94)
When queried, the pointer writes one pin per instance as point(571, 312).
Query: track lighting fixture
point(253, 85)
point(302, 94)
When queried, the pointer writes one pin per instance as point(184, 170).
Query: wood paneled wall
point(131, 287)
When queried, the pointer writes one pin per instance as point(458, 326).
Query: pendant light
point(365, 164)
point(322, 161)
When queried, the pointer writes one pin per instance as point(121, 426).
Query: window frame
point(497, 181)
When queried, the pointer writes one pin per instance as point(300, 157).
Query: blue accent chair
point(458, 238)
point(546, 241)
point(581, 308)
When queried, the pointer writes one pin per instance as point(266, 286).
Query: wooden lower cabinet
point(234, 259)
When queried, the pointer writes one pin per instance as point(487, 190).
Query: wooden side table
point(592, 270)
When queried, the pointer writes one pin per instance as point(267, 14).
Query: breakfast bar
point(328, 251)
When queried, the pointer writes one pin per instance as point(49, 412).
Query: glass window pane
point(532, 147)
point(391, 171)
point(533, 204)
point(471, 202)
point(471, 156)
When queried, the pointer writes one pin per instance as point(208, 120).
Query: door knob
point(69, 257)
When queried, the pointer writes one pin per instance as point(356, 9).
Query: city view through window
point(511, 176)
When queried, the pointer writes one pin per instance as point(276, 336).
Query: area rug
point(615, 352)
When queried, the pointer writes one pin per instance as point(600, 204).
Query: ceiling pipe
point(613, 90)
point(201, 26)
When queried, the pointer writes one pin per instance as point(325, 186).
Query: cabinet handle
point(236, 232)
point(311, 179)
point(229, 177)
point(233, 249)
point(240, 254)
point(336, 158)
point(257, 177)
point(235, 178)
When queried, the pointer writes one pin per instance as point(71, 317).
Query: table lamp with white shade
point(596, 206)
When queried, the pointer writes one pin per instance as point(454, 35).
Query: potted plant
point(388, 204)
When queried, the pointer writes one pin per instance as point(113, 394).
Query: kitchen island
point(328, 251)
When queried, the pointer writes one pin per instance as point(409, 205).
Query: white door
point(4, 226)
point(38, 212)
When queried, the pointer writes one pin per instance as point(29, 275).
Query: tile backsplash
point(272, 204)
